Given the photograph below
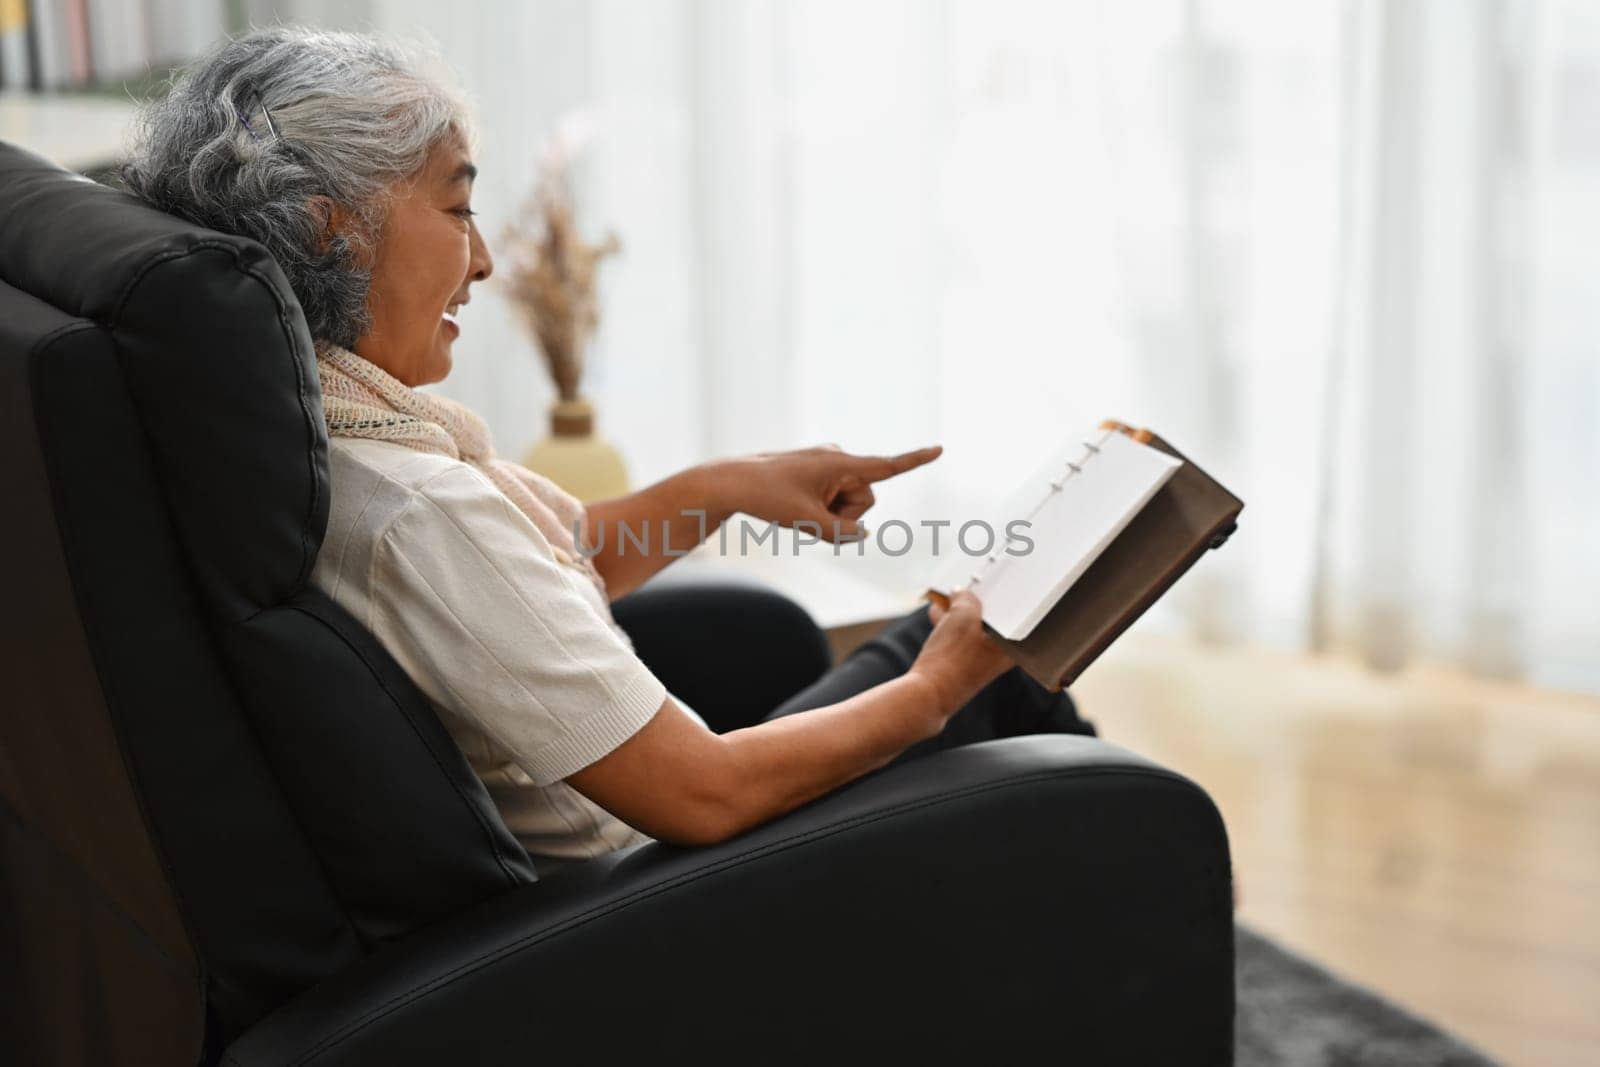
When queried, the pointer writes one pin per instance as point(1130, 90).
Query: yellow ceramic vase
point(575, 457)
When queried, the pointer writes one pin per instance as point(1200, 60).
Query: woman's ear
point(331, 220)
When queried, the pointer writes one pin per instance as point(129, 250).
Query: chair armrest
point(1038, 893)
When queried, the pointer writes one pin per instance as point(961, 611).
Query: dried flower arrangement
point(550, 270)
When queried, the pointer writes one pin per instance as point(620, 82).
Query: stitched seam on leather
point(307, 557)
point(578, 921)
point(308, 551)
point(472, 809)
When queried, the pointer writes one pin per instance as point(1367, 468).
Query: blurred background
point(1343, 253)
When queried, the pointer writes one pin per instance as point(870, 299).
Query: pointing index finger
point(889, 466)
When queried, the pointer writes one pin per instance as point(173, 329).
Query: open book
point(1103, 527)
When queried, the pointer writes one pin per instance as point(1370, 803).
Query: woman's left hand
point(824, 487)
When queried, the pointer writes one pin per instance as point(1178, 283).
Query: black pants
point(1012, 704)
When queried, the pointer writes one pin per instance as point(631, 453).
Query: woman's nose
point(482, 262)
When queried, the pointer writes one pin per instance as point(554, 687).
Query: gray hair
point(266, 133)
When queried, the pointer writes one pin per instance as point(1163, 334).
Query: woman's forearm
point(638, 534)
point(775, 766)
point(780, 764)
point(684, 785)
point(679, 782)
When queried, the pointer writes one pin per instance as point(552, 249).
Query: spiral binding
point(1056, 485)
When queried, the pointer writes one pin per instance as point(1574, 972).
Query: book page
point(1071, 507)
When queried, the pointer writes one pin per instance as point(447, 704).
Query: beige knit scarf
point(361, 399)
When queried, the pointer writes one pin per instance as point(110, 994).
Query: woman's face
point(428, 256)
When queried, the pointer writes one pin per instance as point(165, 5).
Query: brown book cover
point(1188, 515)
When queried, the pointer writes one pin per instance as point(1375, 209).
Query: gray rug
point(1293, 1012)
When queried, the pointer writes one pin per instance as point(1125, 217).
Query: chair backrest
point(216, 789)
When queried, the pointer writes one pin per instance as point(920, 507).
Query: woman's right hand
point(958, 657)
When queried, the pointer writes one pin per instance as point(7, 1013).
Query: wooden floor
point(1432, 836)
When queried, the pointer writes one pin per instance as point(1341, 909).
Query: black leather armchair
point(231, 830)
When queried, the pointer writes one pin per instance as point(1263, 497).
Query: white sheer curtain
point(1342, 253)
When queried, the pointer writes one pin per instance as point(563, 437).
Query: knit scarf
point(361, 399)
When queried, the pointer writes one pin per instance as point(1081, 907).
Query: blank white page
point(1076, 502)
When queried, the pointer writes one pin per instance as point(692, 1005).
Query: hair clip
point(249, 127)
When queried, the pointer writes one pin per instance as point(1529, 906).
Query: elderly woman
point(353, 166)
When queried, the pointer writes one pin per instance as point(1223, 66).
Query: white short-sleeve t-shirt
point(517, 651)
